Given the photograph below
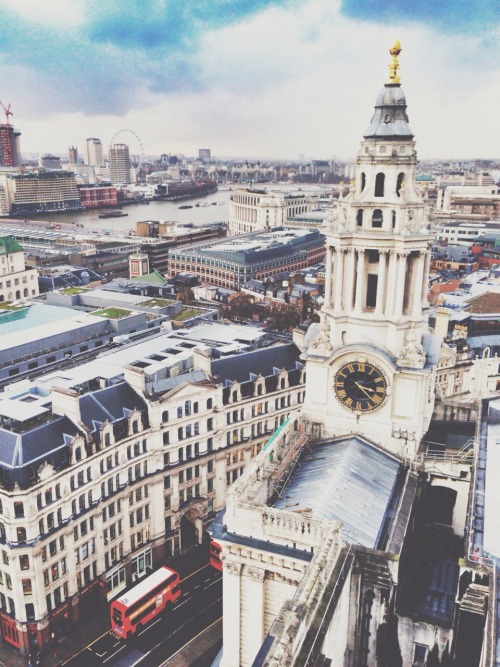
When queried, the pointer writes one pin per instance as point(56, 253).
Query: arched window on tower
point(393, 219)
point(399, 184)
point(363, 180)
point(379, 184)
point(377, 218)
point(359, 217)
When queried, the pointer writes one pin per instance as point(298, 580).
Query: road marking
point(218, 620)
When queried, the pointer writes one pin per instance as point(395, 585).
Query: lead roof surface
point(347, 480)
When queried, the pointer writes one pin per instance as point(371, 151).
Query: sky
point(255, 79)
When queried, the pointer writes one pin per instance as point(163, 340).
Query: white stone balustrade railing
point(287, 527)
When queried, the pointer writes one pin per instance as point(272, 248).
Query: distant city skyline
point(269, 79)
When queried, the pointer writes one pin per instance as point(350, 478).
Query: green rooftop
point(112, 313)
point(8, 244)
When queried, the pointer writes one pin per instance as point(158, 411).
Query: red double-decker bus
point(142, 603)
point(215, 549)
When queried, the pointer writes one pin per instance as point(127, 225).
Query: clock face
point(360, 386)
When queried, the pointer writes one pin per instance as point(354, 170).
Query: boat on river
point(112, 214)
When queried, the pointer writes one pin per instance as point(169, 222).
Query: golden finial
point(395, 50)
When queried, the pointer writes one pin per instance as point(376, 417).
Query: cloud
point(256, 78)
point(450, 16)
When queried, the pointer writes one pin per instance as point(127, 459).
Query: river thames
point(210, 208)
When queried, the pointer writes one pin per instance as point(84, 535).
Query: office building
point(133, 459)
point(73, 154)
point(257, 209)
point(119, 164)
point(92, 152)
point(235, 261)
point(41, 192)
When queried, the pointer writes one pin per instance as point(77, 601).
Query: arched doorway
point(191, 532)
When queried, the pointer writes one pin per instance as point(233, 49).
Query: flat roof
point(40, 321)
point(348, 480)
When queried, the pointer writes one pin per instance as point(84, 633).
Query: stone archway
point(191, 530)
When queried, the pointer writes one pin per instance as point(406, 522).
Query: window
point(379, 184)
point(210, 424)
point(24, 562)
point(164, 416)
point(179, 412)
point(209, 403)
point(377, 218)
point(400, 182)
point(27, 588)
point(359, 217)
point(166, 438)
point(187, 408)
point(210, 444)
point(19, 510)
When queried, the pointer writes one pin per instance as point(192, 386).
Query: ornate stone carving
point(232, 568)
point(321, 345)
point(412, 354)
point(255, 573)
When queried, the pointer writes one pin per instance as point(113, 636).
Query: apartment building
point(105, 479)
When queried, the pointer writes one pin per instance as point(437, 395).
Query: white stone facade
point(254, 210)
point(16, 282)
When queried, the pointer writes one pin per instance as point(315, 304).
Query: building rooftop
point(41, 321)
point(347, 480)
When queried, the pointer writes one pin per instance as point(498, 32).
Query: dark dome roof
point(390, 120)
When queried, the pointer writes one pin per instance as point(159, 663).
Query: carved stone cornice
point(230, 567)
point(255, 573)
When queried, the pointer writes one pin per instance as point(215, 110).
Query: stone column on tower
point(381, 282)
point(427, 268)
point(360, 281)
point(328, 277)
point(416, 288)
point(402, 258)
point(339, 279)
point(255, 590)
point(232, 605)
point(391, 297)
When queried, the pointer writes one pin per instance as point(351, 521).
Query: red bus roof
point(136, 593)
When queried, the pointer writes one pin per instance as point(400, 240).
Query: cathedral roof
point(390, 120)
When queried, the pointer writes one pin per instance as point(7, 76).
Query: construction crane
point(8, 112)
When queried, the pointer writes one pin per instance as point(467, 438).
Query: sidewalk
point(94, 626)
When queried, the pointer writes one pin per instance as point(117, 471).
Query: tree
point(185, 294)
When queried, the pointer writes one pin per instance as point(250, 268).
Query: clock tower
point(370, 368)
